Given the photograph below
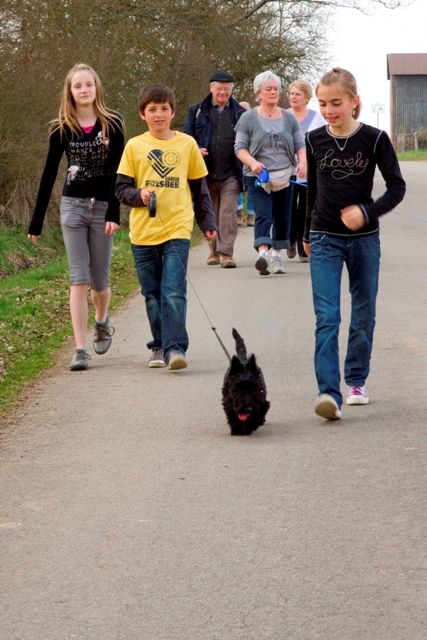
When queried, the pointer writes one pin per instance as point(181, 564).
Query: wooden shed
point(407, 73)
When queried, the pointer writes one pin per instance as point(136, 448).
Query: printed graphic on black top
point(341, 168)
point(163, 163)
point(87, 159)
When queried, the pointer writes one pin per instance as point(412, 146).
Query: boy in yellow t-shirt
point(169, 164)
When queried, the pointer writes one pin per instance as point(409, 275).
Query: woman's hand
point(301, 170)
point(111, 228)
point(145, 196)
point(256, 167)
point(210, 235)
point(306, 247)
point(353, 217)
point(34, 239)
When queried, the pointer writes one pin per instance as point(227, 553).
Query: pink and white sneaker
point(357, 395)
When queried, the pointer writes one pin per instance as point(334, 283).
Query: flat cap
point(221, 76)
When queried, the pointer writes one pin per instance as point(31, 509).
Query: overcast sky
point(361, 44)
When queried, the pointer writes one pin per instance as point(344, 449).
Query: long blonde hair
point(67, 111)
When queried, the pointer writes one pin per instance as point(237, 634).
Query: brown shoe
point(292, 252)
point(227, 262)
point(213, 259)
point(241, 219)
point(250, 220)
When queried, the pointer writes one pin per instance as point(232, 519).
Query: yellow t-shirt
point(166, 166)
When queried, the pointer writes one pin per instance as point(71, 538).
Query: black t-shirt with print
point(91, 171)
point(341, 173)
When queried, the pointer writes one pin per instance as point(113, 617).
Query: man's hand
point(203, 151)
point(353, 217)
point(306, 247)
point(210, 235)
point(34, 239)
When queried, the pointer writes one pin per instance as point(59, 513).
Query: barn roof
point(406, 64)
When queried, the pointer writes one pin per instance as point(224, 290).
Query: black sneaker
point(80, 361)
point(103, 336)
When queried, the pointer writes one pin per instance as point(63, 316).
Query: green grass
point(34, 302)
point(417, 156)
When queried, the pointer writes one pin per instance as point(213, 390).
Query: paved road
point(128, 512)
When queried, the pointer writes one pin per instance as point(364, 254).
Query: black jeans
point(299, 205)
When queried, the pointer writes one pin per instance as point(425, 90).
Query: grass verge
point(414, 156)
point(34, 302)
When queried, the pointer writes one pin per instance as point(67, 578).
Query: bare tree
point(131, 43)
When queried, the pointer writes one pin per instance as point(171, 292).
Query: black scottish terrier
point(244, 394)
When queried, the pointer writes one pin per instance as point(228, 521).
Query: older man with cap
point(211, 122)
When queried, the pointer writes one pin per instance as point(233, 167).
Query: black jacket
point(198, 125)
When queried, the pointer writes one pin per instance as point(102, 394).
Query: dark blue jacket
point(198, 125)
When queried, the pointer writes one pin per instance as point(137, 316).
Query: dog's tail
point(240, 347)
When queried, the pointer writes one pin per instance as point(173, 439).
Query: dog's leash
point(152, 212)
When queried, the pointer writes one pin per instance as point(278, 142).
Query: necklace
point(302, 116)
point(336, 141)
point(268, 114)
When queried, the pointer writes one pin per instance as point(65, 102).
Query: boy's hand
point(145, 196)
point(353, 217)
point(210, 235)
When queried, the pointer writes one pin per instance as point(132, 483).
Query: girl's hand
point(301, 170)
point(210, 235)
point(111, 228)
point(34, 239)
point(353, 217)
point(306, 247)
point(145, 196)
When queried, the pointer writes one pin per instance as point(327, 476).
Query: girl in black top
point(342, 227)
point(92, 138)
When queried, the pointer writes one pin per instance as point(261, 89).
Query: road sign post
point(378, 108)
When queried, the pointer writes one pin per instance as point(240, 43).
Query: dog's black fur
point(244, 394)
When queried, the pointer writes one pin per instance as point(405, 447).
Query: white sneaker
point(326, 407)
point(262, 265)
point(277, 264)
point(357, 395)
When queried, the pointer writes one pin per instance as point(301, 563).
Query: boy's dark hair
point(156, 93)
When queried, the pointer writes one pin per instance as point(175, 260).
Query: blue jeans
point(362, 259)
point(272, 215)
point(162, 275)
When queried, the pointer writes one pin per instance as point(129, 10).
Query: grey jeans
point(88, 247)
point(224, 194)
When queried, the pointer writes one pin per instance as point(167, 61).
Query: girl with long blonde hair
point(92, 137)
